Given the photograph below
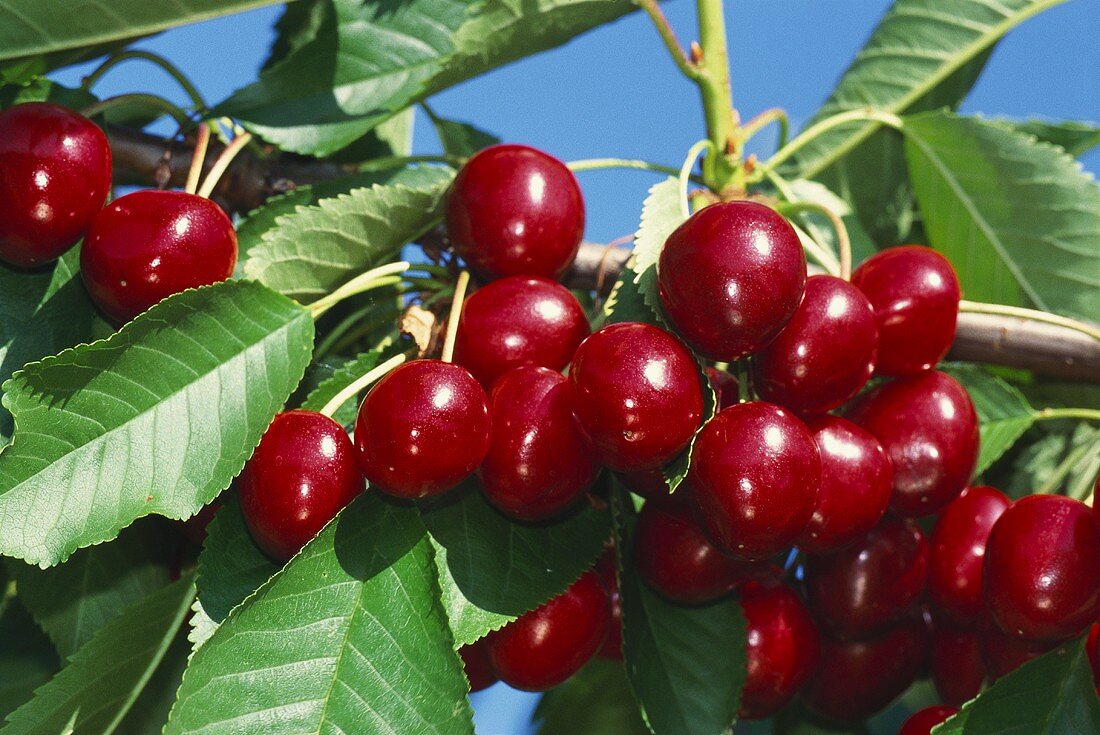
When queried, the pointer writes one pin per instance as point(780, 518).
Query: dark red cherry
point(824, 355)
point(755, 471)
point(957, 667)
point(783, 646)
point(674, 557)
point(922, 721)
point(422, 429)
point(518, 321)
point(928, 427)
point(915, 295)
point(1003, 654)
point(958, 550)
point(478, 667)
point(300, 476)
point(544, 647)
point(861, 591)
point(636, 395)
point(856, 680)
point(1092, 649)
point(856, 478)
point(516, 211)
point(650, 484)
point(1042, 568)
point(538, 464)
point(57, 174)
point(148, 245)
point(731, 277)
point(725, 387)
point(612, 648)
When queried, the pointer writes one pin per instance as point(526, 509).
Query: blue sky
point(614, 92)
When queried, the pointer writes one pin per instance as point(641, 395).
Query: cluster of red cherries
point(139, 249)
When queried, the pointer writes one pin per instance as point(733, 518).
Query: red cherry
point(650, 484)
point(928, 427)
point(915, 294)
point(636, 394)
point(546, 646)
point(148, 245)
point(731, 277)
point(478, 667)
point(422, 429)
point(1092, 649)
point(300, 476)
point(1003, 654)
point(518, 321)
point(1042, 568)
point(612, 648)
point(783, 646)
point(674, 557)
point(538, 463)
point(57, 174)
point(922, 721)
point(824, 355)
point(958, 549)
point(725, 387)
point(856, 680)
point(957, 667)
point(755, 471)
point(856, 478)
point(516, 211)
point(863, 590)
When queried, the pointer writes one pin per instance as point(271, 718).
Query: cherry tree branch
point(140, 158)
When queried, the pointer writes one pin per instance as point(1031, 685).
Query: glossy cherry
point(1092, 649)
point(422, 429)
point(856, 480)
point(612, 648)
point(1042, 568)
point(755, 472)
point(514, 210)
point(674, 557)
point(636, 395)
point(861, 591)
point(958, 670)
point(783, 646)
point(650, 484)
point(148, 245)
point(856, 680)
point(922, 721)
point(544, 647)
point(301, 475)
point(958, 550)
point(824, 355)
point(915, 295)
point(57, 174)
point(478, 667)
point(538, 464)
point(731, 277)
point(518, 321)
point(1003, 654)
point(929, 429)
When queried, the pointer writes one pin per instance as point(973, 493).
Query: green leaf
point(814, 225)
point(378, 59)
point(686, 664)
point(151, 709)
point(318, 248)
point(460, 138)
point(102, 680)
point(661, 214)
point(348, 637)
point(27, 659)
point(387, 140)
point(73, 601)
point(1064, 457)
point(594, 701)
point(41, 313)
point(40, 89)
point(342, 378)
point(298, 25)
point(31, 27)
point(493, 569)
point(1018, 219)
point(231, 566)
point(1075, 138)
point(1003, 412)
point(1053, 695)
point(157, 418)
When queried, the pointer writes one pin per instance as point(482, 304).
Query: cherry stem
point(198, 157)
point(763, 120)
point(374, 278)
point(844, 243)
point(221, 164)
point(167, 66)
point(596, 164)
point(742, 368)
point(863, 114)
point(453, 317)
point(1083, 414)
point(684, 174)
point(664, 30)
point(151, 101)
point(360, 383)
point(978, 307)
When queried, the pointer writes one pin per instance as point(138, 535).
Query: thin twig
point(452, 318)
